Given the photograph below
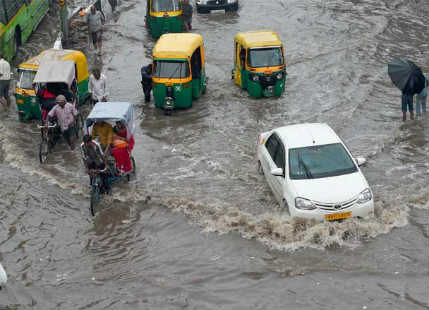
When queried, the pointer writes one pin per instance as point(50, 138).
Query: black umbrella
point(406, 76)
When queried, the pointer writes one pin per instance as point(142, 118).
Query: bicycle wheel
point(43, 151)
point(95, 198)
point(133, 169)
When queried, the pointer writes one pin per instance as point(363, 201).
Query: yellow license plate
point(337, 216)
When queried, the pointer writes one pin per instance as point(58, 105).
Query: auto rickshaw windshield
point(265, 57)
point(26, 78)
point(171, 69)
point(165, 5)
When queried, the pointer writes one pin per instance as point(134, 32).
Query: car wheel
point(286, 206)
point(260, 170)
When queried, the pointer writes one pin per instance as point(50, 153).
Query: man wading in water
point(187, 15)
point(95, 28)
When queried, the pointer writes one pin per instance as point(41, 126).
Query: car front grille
point(215, 2)
point(336, 206)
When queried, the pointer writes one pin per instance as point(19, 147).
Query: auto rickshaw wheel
point(78, 125)
point(43, 151)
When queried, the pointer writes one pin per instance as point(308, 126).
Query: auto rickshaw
point(178, 70)
point(164, 16)
point(26, 99)
point(259, 63)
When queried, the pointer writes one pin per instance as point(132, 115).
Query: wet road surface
point(199, 228)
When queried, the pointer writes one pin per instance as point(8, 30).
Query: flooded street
point(199, 228)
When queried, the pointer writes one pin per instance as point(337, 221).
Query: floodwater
point(198, 228)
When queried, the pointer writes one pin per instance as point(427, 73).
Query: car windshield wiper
point(307, 171)
point(175, 71)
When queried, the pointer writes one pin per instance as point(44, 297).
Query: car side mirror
point(361, 161)
point(277, 172)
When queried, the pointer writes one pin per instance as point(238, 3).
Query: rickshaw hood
point(56, 71)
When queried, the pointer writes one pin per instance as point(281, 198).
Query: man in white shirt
point(4, 80)
point(97, 86)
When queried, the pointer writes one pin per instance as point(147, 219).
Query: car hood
point(331, 190)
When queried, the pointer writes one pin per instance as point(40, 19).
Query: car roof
point(307, 134)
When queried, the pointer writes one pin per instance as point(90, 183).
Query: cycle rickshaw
point(56, 77)
point(112, 113)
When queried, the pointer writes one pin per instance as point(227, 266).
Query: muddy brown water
point(198, 228)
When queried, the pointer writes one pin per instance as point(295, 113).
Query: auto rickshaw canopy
point(56, 71)
point(177, 45)
point(59, 54)
point(251, 39)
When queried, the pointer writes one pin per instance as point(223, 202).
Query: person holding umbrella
point(409, 79)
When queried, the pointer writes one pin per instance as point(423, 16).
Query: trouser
point(147, 88)
point(407, 103)
point(4, 89)
point(67, 135)
point(113, 4)
point(421, 104)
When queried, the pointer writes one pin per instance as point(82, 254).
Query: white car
point(313, 174)
point(206, 6)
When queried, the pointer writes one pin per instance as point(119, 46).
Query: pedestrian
point(407, 104)
point(146, 72)
point(187, 15)
point(66, 114)
point(4, 82)
point(421, 99)
point(97, 86)
point(95, 28)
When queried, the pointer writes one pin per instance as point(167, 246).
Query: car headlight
point(365, 196)
point(304, 204)
point(255, 77)
point(279, 76)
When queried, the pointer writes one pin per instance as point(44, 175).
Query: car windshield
point(320, 161)
point(165, 5)
point(265, 57)
point(171, 69)
point(26, 78)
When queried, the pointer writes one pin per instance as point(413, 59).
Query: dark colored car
point(205, 6)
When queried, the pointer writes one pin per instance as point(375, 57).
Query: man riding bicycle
point(94, 159)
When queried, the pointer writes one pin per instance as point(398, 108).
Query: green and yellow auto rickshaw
point(178, 70)
point(26, 99)
point(259, 63)
point(164, 16)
